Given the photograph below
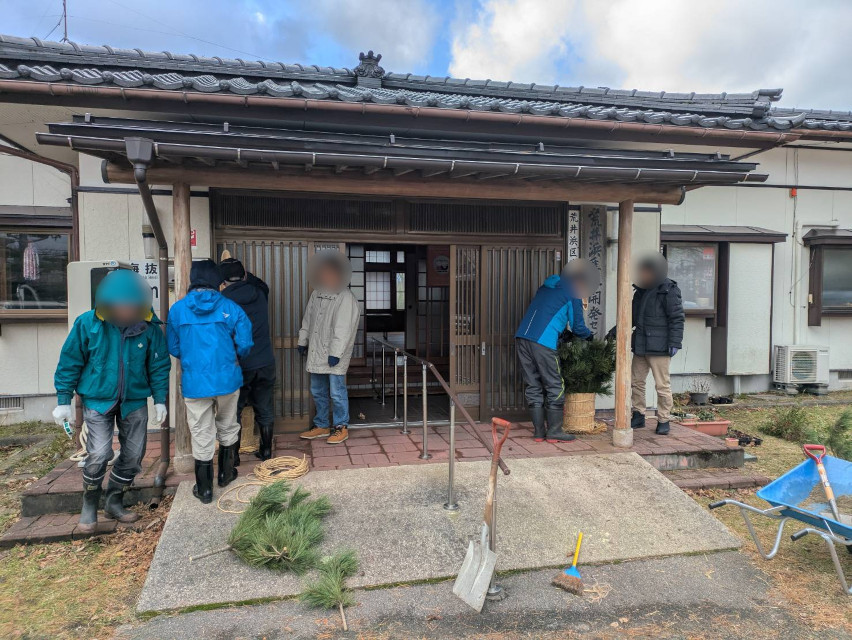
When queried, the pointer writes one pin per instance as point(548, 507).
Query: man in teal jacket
point(114, 358)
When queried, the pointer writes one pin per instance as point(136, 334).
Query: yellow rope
point(267, 472)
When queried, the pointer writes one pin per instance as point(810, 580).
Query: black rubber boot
point(114, 504)
point(637, 420)
point(555, 419)
point(227, 473)
point(203, 489)
point(662, 428)
point(264, 449)
point(537, 417)
point(239, 441)
point(89, 513)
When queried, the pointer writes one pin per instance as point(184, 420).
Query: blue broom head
point(572, 572)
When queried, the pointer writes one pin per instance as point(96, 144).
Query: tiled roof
point(34, 59)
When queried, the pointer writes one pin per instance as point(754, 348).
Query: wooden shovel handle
point(495, 462)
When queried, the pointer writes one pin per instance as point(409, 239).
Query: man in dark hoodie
point(557, 305)
point(658, 319)
point(252, 294)
point(208, 333)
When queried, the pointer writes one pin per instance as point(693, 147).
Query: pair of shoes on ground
point(554, 417)
point(334, 435)
point(637, 421)
point(113, 507)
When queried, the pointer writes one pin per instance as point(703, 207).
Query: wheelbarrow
point(789, 496)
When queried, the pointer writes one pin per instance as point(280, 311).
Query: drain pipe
point(140, 153)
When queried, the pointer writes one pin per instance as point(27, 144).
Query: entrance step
point(699, 479)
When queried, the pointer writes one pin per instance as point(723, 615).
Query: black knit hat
point(232, 270)
point(204, 274)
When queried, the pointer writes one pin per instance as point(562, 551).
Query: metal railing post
point(383, 375)
point(425, 455)
point(373, 372)
point(395, 384)
point(405, 395)
point(451, 504)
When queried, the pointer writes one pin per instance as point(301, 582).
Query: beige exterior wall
point(28, 352)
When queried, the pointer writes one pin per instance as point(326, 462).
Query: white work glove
point(62, 413)
point(160, 413)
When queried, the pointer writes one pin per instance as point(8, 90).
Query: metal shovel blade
point(476, 571)
point(844, 519)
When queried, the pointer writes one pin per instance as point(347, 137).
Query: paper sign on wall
point(150, 272)
point(193, 238)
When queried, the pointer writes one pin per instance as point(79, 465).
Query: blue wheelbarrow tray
point(788, 497)
point(795, 487)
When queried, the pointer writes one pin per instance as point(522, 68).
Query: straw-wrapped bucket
point(579, 415)
point(250, 438)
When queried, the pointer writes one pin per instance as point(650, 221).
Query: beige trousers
point(212, 419)
point(659, 368)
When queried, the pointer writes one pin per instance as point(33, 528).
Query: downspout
point(140, 153)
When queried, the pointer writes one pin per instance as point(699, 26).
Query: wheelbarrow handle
point(499, 440)
point(815, 452)
point(716, 505)
point(799, 535)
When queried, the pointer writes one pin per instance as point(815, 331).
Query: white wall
point(777, 210)
point(28, 352)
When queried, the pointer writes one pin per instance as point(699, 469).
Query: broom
point(570, 579)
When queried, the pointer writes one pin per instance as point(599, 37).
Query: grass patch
point(70, 590)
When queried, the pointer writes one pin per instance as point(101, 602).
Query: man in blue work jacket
point(557, 305)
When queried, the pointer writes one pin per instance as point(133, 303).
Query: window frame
point(710, 313)
point(816, 309)
point(57, 226)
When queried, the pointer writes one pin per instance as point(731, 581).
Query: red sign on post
point(193, 238)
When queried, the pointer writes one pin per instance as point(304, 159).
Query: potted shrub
point(708, 422)
point(699, 390)
point(587, 368)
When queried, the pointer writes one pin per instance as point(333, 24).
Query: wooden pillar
point(184, 462)
point(622, 435)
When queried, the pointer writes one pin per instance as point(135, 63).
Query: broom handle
point(577, 549)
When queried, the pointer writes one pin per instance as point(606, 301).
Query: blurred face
point(647, 277)
point(328, 278)
point(124, 315)
point(581, 288)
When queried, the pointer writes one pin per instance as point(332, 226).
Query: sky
point(670, 45)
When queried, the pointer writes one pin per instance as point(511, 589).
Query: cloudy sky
point(672, 45)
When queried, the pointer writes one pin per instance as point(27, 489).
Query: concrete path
point(717, 595)
point(393, 518)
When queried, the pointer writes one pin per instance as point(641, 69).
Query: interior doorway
point(405, 306)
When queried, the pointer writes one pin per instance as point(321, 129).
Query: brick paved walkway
point(49, 504)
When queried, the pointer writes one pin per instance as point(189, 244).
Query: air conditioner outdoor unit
point(800, 365)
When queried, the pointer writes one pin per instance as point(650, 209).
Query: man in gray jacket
point(326, 339)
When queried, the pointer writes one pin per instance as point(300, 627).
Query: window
point(400, 290)
point(836, 279)
point(33, 272)
point(378, 289)
point(378, 256)
point(694, 267)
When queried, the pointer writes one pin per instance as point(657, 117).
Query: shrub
point(790, 423)
point(840, 436)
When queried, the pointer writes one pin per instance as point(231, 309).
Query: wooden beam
point(383, 184)
point(622, 435)
point(184, 462)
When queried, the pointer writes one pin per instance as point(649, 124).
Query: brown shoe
point(315, 433)
point(338, 435)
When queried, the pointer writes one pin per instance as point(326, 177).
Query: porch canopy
point(257, 157)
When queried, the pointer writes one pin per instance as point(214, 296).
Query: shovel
point(478, 566)
point(816, 452)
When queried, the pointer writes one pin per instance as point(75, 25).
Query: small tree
point(587, 366)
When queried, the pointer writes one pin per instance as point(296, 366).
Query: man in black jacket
point(252, 294)
point(658, 319)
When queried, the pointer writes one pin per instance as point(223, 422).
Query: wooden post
point(184, 462)
point(622, 435)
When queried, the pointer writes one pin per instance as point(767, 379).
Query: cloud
point(669, 45)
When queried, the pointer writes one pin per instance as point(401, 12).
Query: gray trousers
point(540, 369)
point(132, 438)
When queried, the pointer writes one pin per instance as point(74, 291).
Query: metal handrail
point(455, 403)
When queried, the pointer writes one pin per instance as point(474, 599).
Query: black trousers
point(257, 392)
point(542, 378)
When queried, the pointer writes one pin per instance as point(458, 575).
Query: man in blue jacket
point(208, 333)
point(557, 305)
point(252, 294)
point(115, 358)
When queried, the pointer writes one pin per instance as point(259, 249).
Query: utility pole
point(65, 20)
